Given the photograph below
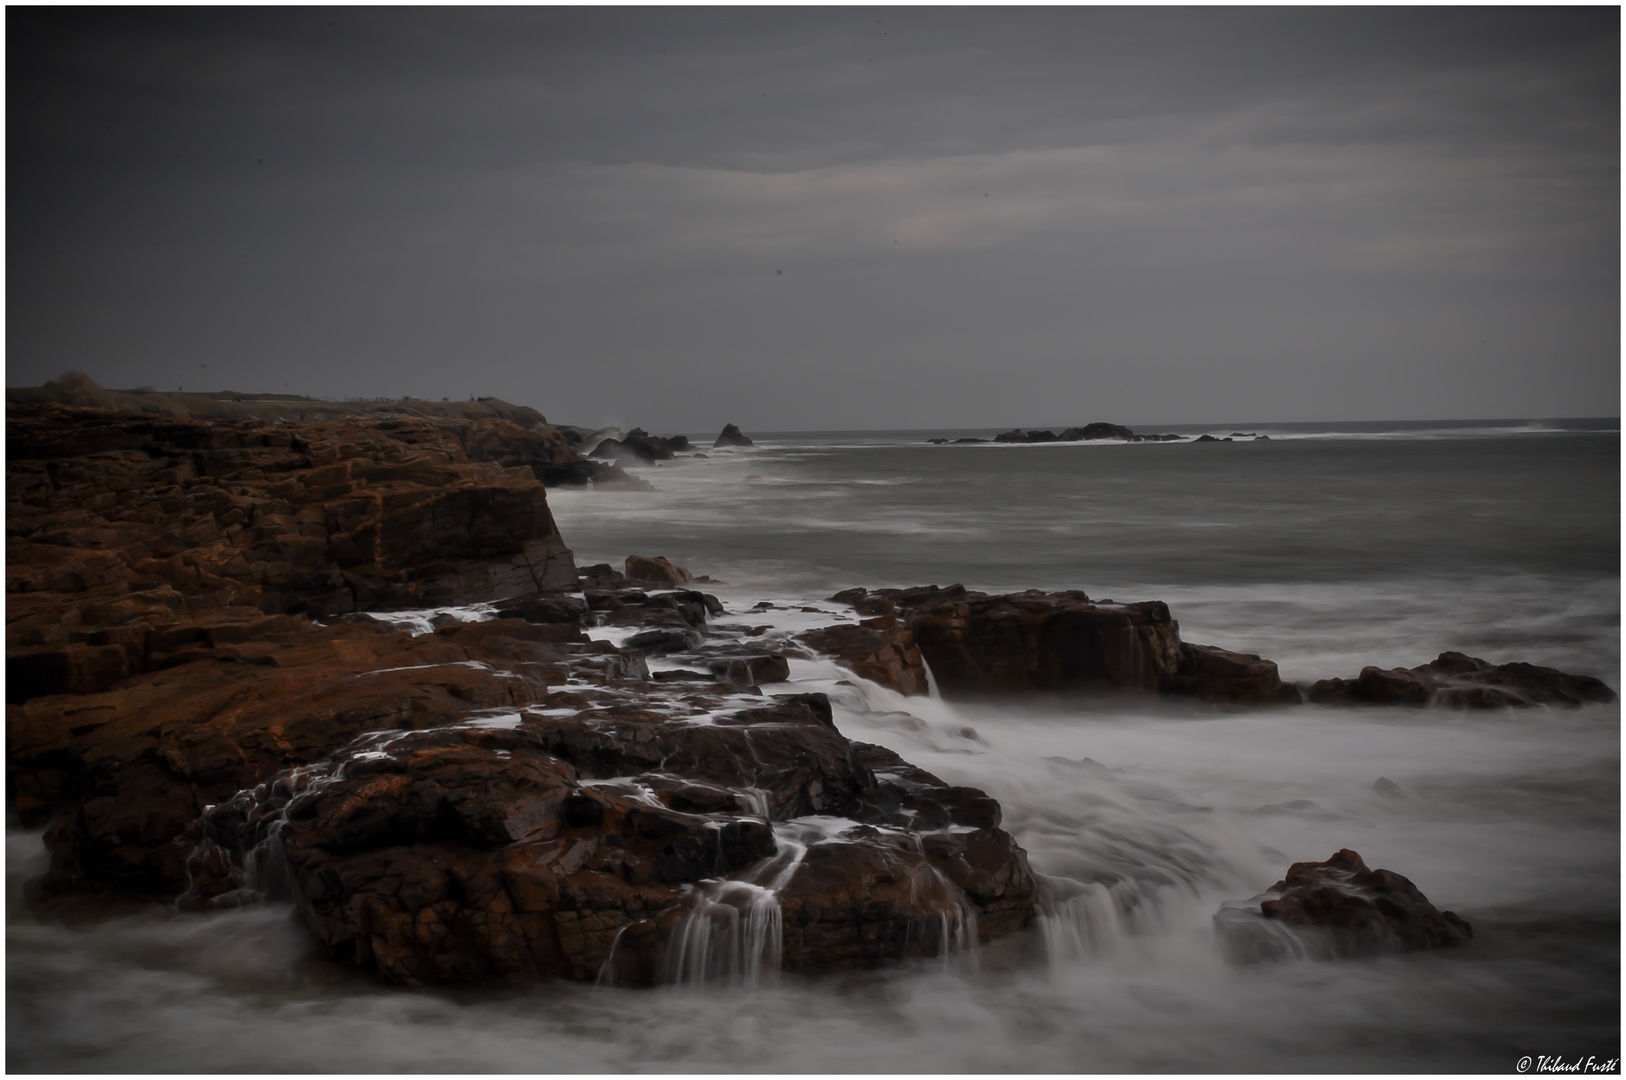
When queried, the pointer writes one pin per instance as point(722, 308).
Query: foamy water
point(1142, 822)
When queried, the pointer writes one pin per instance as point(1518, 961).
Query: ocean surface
point(1324, 548)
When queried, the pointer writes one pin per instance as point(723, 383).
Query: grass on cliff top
point(81, 390)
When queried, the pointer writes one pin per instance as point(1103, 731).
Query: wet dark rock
point(602, 576)
point(664, 640)
point(750, 669)
point(977, 644)
point(546, 609)
point(571, 846)
point(1219, 675)
point(682, 675)
point(656, 568)
point(731, 436)
point(885, 656)
point(1337, 909)
point(1456, 680)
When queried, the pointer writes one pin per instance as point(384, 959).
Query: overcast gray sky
point(826, 218)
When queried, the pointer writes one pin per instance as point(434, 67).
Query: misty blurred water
point(1322, 549)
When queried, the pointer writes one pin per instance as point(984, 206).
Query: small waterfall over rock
point(735, 934)
point(240, 859)
point(1078, 921)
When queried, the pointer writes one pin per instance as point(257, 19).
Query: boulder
point(731, 436)
point(657, 568)
point(1219, 675)
point(1336, 909)
point(888, 657)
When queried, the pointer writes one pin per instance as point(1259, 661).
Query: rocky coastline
point(214, 698)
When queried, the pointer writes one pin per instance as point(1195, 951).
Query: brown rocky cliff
point(122, 527)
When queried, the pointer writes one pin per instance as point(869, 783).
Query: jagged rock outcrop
point(977, 644)
point(616, 842)
point(1336, 909)
point(127, 770)
point(1456, 680)
point(731, 436)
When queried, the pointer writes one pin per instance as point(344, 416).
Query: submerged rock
point(1336, 909)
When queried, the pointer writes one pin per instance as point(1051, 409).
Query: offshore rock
point(977, 644)
point(593, 846)
point(1336, 909)
point(1456, 680)
point(731, 436)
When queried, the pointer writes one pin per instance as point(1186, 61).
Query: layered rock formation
point(124, 532)
point(1336, 909)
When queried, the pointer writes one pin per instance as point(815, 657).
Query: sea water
point(1323, 548)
